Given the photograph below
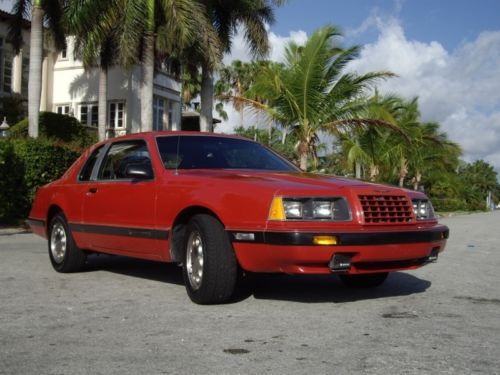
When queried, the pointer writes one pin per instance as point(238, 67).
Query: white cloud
point(460, 89)
point(240, 50)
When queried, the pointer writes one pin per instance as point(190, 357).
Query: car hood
point(289, 182)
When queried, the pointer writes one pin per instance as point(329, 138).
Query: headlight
point(331, 208)
point(293, 209)
point(423, 209)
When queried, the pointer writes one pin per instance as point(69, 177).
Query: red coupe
point(220, 204)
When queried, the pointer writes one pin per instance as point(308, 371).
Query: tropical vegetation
point(311, 107)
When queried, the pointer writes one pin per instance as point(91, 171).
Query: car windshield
point(207, 152)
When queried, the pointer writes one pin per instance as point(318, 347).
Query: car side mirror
point(139, 171)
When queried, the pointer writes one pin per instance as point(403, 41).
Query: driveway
point(124, 316)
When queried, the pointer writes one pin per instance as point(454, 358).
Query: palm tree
point(48, 12)
point(226, 16)
point(151, 30)
point(234, 80)
point(435, 152)
point(95, 44)
point(311, 94)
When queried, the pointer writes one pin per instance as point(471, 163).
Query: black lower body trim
point(346, 239)
point(120, 231)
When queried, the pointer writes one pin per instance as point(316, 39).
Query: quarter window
point(86, 173)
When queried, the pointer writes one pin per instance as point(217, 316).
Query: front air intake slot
point(387, 209)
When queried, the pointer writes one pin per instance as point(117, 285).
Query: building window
point(25, 75)
point(170, 114)
point(7, 73)
point(116, 114)
point(63, 55)
point(5, 69)
point(63, 109)
point(89, 114)
point(159, 106)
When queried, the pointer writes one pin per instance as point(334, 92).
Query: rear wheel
point(210, 268)
point(64, 255)
point(369, 280)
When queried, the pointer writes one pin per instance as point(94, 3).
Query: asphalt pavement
point(126, 316)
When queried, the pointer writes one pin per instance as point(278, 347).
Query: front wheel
point(64, 255)
point(369, 280)
point(210, 268)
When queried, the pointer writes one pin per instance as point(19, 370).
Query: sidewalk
point(8, 231)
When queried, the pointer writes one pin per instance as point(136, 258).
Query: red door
point(119, 212)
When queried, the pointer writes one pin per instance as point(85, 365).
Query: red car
point(219, 204)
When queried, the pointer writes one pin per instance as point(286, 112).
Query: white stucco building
point(68, 89)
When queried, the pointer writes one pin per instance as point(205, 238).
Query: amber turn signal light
point(324, 240)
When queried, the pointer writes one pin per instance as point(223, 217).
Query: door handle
point(93, 190)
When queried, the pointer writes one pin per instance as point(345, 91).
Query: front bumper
point(380, 251)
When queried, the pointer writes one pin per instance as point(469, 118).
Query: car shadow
point(140, 268)
point(296, 288)
point(328, 288)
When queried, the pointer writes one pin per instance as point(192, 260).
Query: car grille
point(387, 209)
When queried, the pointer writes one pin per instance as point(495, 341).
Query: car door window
point(122, 155)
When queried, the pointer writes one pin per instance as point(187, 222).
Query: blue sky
point(451, 22)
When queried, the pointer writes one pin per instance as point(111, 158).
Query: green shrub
point(28, 164)
point(13, 108)
point(62, 128)
point(449, 204)
point(11, 184)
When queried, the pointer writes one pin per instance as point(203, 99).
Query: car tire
point(210, 268)
point(64, 255)
point(370, 280)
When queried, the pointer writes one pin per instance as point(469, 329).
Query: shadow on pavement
point(329, 288)
point(298, 288)
point(144, 269)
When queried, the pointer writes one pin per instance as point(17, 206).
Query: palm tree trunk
point(207, 99)
point(35, 68)
point(403, 171)
point(103, 96)
point(418, 178)
point(303, 154)
point(147, 84)
point(357, 166)
point(374, 171)
point(303, 161)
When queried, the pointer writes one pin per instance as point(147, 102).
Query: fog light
point(340, 262)
point(433, 257)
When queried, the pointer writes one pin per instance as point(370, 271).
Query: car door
point(118, 210)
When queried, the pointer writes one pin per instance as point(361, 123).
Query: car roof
point(155, 134)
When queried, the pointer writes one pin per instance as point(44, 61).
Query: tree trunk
point(303, 161)
point(283, 135)
point(35, 70)
point(418, 178)
point(357, 166)
point(207, 99)
point(403, 171)
point(374, 171)
point(303, 154)
point(148, 67)
point(103, 101)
